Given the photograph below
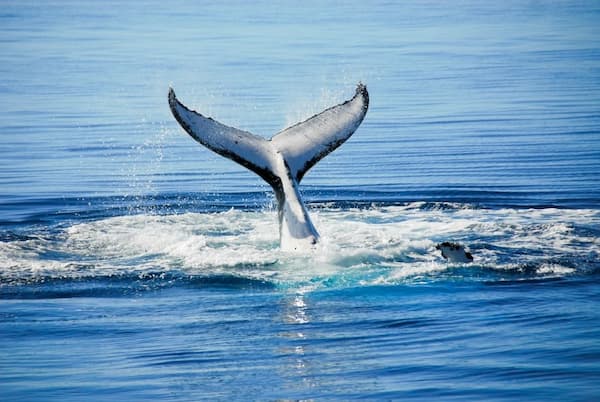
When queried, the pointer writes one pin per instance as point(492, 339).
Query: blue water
point(136, 265)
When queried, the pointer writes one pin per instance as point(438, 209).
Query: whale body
point(283, 160)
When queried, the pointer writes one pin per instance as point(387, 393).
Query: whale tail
point(283, 160)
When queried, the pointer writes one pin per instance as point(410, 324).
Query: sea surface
point(136, 265)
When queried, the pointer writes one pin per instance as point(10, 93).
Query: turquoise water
point(137, 265)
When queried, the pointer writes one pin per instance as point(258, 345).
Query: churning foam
point(358, 247)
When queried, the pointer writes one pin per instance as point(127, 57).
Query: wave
point(361, 246)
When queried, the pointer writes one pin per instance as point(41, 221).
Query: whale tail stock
point(283, 160)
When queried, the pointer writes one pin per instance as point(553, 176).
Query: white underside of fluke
point(283, 160)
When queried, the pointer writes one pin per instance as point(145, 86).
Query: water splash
point(359, 247)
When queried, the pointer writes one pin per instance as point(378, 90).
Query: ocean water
point(137, 265)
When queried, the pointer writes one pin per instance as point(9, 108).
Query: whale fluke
point(306, 143)
point(283, 160)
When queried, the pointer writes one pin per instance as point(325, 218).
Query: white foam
point(554, 269)
point(372, 246)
